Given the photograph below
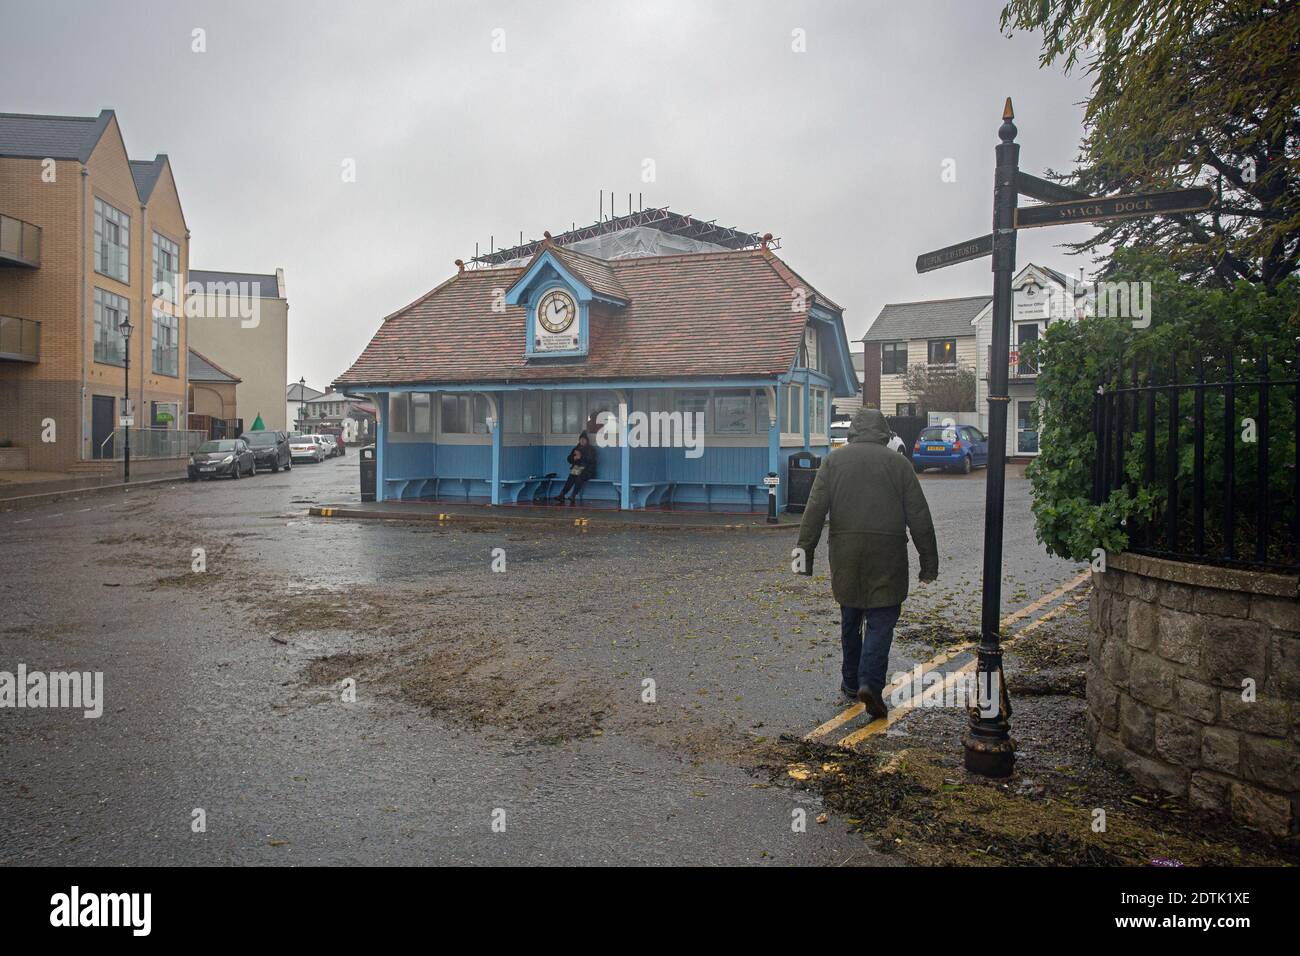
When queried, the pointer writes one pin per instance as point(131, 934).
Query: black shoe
point(874, 703)
point(848, 693)
point(560, 499)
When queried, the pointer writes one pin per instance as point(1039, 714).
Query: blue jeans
point(867, 669)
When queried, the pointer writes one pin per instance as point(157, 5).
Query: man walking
point(874, 499)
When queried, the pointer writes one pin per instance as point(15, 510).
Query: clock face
point(557, 311)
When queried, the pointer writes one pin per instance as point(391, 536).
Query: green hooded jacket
point(874, 499)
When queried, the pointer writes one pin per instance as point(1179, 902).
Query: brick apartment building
point(85, 233)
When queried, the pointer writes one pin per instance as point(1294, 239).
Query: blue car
point(951, 447)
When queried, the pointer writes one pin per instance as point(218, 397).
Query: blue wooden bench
point(430, 487)
point(641, 493)
point(708, 486)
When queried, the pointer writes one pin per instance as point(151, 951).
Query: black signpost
point(990, 751)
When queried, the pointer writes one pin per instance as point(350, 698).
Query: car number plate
point(935, 448)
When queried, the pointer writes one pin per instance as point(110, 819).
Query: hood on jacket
point(869, 425)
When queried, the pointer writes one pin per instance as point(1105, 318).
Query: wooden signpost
point(990, 751)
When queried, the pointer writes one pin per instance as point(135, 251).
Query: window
point(760, 410)
point(164, 414)
point(817, 397)
point(893, 358)
point(597, 404)
point(566, 413)
point(693, 403)
point(792, 420)
point(1025, 333)
point(733, 412)
point(399, 413)
point(166, 268)
point(112, 242)
point(808, 355)
point(421, 413)
point(906, 409)
point(166, 344)
point(522, 413)
point(110, 310)
point(464, 414)
point(943, 351)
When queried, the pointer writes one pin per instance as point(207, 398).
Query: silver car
point(305, 448)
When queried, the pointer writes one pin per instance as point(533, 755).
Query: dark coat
point(584, 456)
point(874, 499)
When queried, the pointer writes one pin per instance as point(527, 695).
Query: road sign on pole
point(1044, 190)
point(989, 748)
point(951, 255)
point(1113, 207)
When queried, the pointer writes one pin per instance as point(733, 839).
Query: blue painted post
point(625, 453)
point(381, 439)
point(496, 451)
point(774, 446)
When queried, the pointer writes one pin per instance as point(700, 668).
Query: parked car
point(327, 445)
point(229, 457)
point(840, 436)
point(270, 449)
point(305, 448)
point(950, 447)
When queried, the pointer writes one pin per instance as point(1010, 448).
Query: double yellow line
point(902, 710)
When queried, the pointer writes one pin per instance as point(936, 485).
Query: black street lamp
point(302, 402)
point(125, 328)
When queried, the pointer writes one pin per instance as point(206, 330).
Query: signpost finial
point(1007, 132)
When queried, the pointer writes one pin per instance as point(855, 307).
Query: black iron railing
point(1212, 467)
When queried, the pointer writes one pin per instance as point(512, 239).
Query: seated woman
point(582, 467)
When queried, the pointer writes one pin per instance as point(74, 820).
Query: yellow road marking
point(853, 711)
point(902, 710)
point(1045, 599)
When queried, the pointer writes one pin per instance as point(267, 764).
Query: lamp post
point(302, 401)
point(125, 328)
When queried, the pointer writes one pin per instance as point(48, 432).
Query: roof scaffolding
point(660, 219)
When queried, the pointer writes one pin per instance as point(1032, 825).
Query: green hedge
point(1186, 322)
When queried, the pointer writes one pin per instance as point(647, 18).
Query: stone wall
point(1170, 648)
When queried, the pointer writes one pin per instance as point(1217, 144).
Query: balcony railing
point(20, 339)
point(20, 243)
point(1016, 368)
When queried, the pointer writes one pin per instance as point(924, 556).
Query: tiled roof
point(267, 286)
point(203, 369)
point(597, 273)
point(145, 172)
point(926, 320)
point(51, 137)
point(722, 314)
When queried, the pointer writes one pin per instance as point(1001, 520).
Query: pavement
point(478, 690)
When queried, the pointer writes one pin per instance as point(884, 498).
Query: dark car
point(270, 449)
point(225, 457)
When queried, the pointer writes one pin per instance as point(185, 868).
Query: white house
point(1041, 296)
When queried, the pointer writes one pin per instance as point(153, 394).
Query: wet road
point(601, 700)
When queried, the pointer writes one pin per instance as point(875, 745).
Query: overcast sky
point(838, 150)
